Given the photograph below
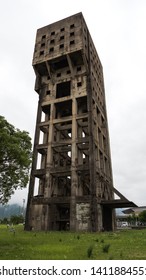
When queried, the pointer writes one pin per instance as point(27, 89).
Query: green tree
point(15, 159)
point(16, 219)
point(142, 216)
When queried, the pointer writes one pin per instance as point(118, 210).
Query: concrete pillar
point(74, 159)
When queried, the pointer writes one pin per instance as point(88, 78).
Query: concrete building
point(71, 185)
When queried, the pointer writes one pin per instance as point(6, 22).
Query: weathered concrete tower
point(71, 184)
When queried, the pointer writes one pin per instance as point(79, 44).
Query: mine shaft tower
point(71, 185)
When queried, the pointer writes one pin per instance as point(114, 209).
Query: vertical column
point(74, 176)
point(94, 214)
point(28, 221)
point(49, 162)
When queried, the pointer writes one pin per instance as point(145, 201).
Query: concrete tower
point(71, 185)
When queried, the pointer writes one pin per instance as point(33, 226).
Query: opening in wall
point(63, 89)
point(83, 134)
point(36, 186)
point(82, 104)
point(41, 138)
point(43, 117)
point(46, 111)
point(63, 109)
point(39, 159)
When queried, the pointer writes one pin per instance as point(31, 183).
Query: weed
point(90, 251)
point(105, 248)
point(78, 237)
point(111, 257)
point(60, 240)
point(102, 241)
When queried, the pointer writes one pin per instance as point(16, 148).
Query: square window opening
point(63, 89)
point(63, 109)
point(61, 46)
point(72, 26)
point(43, 36)
point(61, 38)
point(52, 41)
point(51, 50)
point(72, 42)
point(48, 92)
point(41, 52)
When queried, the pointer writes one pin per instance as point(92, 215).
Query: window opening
point(72, 26)
point(72, 42)
point(63, 109)
point(48, 92)
point(62, 38)
point(51, 49)
point(83, 134)
point(61, 46)
point(39, 160)
point(63, 89)
point(79, 68)
point(52, 41)
point(41, 137)
point(41, 52)
point(79, 84)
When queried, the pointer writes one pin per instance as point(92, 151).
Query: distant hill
point(6, 211)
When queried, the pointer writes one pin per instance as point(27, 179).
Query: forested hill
point(6, 211)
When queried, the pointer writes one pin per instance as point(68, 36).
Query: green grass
point(22, 245)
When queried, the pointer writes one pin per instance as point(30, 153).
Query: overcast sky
point(118, 29)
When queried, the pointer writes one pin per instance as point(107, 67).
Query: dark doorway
point(63, 217)
point(107, 218)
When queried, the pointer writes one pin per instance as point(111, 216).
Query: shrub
point(16, 219)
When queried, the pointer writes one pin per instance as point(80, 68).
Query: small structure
point(71, 184)
point(134, 210)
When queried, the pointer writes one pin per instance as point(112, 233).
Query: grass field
point(22, 245)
